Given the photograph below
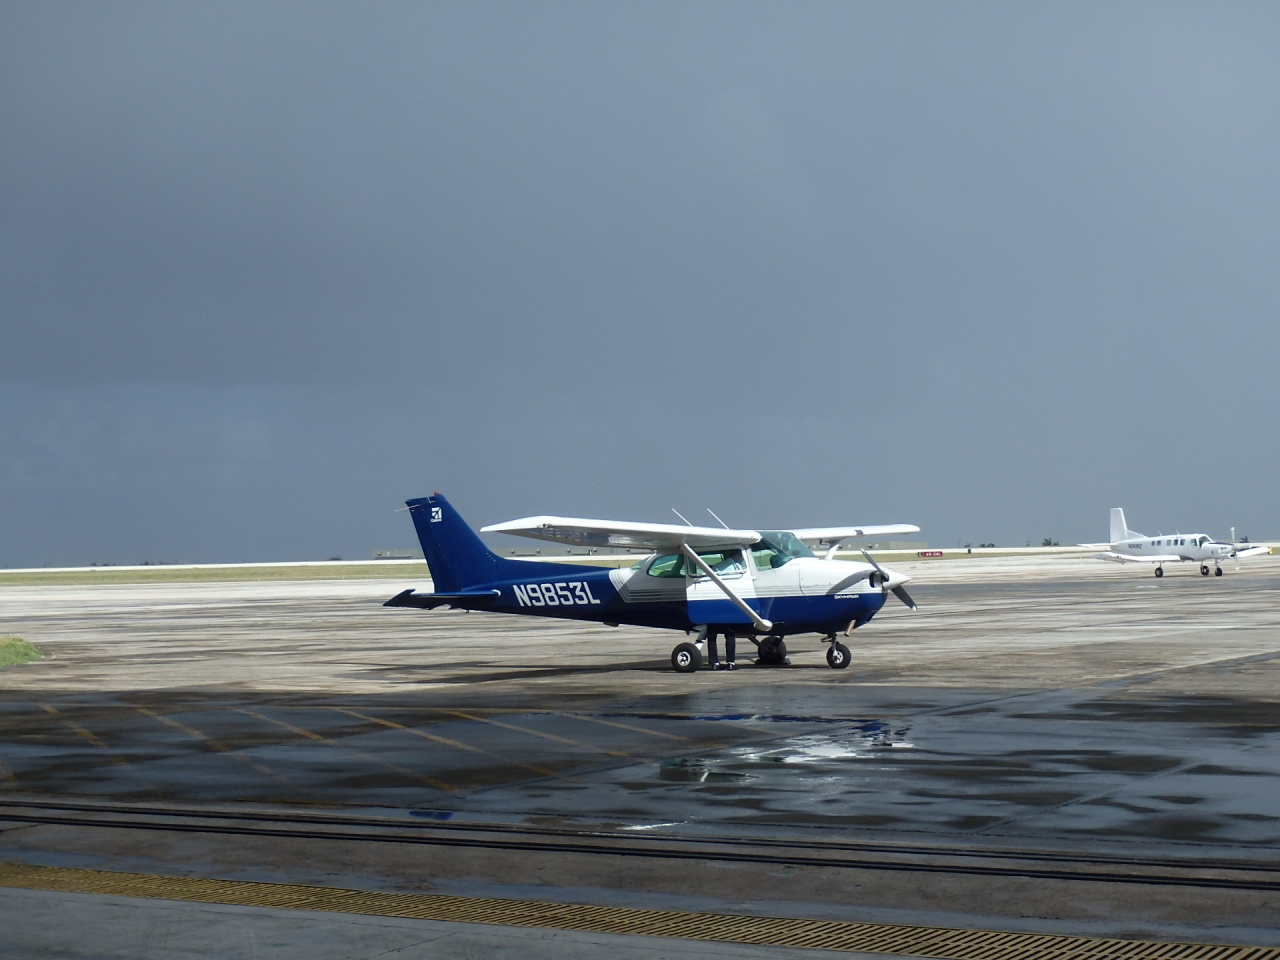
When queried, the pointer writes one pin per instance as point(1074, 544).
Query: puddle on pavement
point(818, 751)
point(697, 770)
point(1243, 717)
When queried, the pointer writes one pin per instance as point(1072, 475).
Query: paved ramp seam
point(940, 943)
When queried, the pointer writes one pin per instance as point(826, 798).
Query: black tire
point(1159, 571)
point(686, 658)
point(837, 656)
point(772, 652)
point(1217, 571)
point(1204, 570)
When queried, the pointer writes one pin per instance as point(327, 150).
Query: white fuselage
point(1194, 547)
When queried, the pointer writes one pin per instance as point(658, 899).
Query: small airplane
point(766, 585)
point(1127, 546)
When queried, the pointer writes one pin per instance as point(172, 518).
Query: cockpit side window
point(726, 563)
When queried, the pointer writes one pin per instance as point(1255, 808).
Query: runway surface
point(1050, 744)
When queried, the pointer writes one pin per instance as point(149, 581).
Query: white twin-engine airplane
point(1127, 545)
point(764, 585)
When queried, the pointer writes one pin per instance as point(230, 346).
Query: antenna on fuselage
point(718, 520)
point(681, 516)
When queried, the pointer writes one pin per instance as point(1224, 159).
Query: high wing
point(820, 535)
point(620, 533)
point(1127, 557)
point(832, 537)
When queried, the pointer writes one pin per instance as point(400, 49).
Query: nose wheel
point(771, 652)
point(1217, 571)
point(837, 656)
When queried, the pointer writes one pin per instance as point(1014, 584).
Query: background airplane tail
point(1119, 529)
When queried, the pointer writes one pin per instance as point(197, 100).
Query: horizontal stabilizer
point(463, 599)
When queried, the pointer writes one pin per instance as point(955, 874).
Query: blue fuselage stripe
point(591, 595)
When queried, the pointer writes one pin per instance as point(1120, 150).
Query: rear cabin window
point(670, 565)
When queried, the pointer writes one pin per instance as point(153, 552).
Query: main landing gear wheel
point(1159, 571)
point(686, 658)
point(1217, 571)
point(1204, 570)
point(837, 656)
point(772, 653)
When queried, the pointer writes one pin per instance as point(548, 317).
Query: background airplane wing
point(1252, 551)
point(812, 535)
point(1126, 557)
point(619, 533)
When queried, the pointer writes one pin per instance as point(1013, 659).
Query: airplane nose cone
point(895, 579)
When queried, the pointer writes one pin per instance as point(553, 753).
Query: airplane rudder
point(1119, 531)
point(455, 554)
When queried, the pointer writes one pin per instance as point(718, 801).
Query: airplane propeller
point(882, 580)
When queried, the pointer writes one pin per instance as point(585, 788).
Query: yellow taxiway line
point(940, 943)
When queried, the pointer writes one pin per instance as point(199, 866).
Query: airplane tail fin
point(457, 557)
point(1119, 529)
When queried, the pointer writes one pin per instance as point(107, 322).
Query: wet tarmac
point(1049, 705)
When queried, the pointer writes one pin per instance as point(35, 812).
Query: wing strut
point(764, 626)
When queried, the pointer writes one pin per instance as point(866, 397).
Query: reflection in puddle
point(698, 770)
point(816, 749)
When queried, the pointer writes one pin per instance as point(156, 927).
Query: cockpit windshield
point(777, 547)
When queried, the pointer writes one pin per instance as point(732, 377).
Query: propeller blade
point(871, 560)
point(879, 578)
point(901, 594)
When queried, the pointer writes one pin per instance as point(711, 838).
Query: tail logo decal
point(437, 514)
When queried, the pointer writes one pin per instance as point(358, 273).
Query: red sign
point(930, 553)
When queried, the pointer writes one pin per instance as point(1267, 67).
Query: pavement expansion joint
point(933, 942)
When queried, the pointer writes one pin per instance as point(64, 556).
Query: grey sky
point(266, 270)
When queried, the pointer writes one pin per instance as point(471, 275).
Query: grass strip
point(15, 650)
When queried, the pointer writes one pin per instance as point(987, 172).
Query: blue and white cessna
point(1127, 546)
point(765, 585)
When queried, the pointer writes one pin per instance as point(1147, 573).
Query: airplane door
point(777, 585)
point(707, 602)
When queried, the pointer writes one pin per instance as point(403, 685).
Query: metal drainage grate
point(936, 942)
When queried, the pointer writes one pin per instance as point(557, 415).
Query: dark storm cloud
point(992, 268)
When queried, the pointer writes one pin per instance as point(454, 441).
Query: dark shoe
point(717, 665)
point(731, 665)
